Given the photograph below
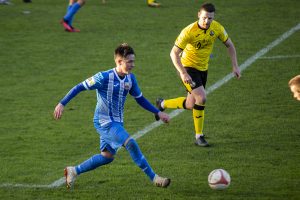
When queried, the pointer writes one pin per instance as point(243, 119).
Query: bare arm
point(175, 57)
point(232, 53)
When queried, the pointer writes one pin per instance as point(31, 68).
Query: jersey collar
point(202, 28)
point(117, 75)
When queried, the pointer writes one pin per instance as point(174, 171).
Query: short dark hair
point(208, 7)
point(124, 50)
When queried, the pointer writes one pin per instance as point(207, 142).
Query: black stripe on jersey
point(203, 28)
point(226, 44)
point(178, 47)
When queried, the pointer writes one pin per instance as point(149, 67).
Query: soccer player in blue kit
point(112, 87)
point(75, 5)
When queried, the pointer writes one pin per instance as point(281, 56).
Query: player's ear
point(118, 60)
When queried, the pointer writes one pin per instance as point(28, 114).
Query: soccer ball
point(219, 179)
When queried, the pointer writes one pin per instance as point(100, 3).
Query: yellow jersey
point(197, 44)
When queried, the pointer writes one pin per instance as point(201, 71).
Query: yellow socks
point(198, 112)
point(198, 116)
point(178, 103)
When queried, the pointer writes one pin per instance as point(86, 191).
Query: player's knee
point(200, 100)
point(130, 144)
point(126, 142)
point(107, 154)
point(81, 2)
point(203, 100)
point(189, 106)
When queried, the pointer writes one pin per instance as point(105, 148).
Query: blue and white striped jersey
point(111, 93)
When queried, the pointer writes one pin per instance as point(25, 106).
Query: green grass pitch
point(252, 124)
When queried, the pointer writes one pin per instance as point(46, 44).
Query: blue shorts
point(112, 136)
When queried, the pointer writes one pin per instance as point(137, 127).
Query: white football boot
point(161, 181)
point(70, 174)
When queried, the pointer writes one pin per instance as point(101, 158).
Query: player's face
point(205, 18)
point(296, 91)
point(127, 64)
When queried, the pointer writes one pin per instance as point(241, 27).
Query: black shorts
point(198, 77)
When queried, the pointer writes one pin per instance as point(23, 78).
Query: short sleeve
point(223, 36)
point(183, 39)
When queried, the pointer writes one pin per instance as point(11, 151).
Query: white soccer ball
point(219, 179)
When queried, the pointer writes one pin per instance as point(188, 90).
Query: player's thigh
point(199, 78)
point(117, 135)
point(112, 136)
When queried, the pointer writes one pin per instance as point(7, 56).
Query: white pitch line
point(174, 113)
point(280, 57)
point(55, 184)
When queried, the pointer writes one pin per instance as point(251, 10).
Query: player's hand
point(186, 78)
point(237, 72)
point(164, 117)
point(58, 111)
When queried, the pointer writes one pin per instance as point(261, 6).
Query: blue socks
point(92, 163)
point(68, 9)
point(139, 159)
point(72, 10)
point(134, 151)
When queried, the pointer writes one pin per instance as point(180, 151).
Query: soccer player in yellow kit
point(190, 56)
point(153, 3)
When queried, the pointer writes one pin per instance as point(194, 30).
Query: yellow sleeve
point(183, 39)
point(223, 36)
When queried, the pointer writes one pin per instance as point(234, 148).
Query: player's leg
point(140, 160)
point(197, 99)
point(105, 157)
point(176, 103)
point(190, 101)
point(93, 162)
point(68, 18)
point(68, 24)
point(179, 102)
point(198, 96)
point(153, 3)
point(118, 136)
point(112, 137)
point(71, 2)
